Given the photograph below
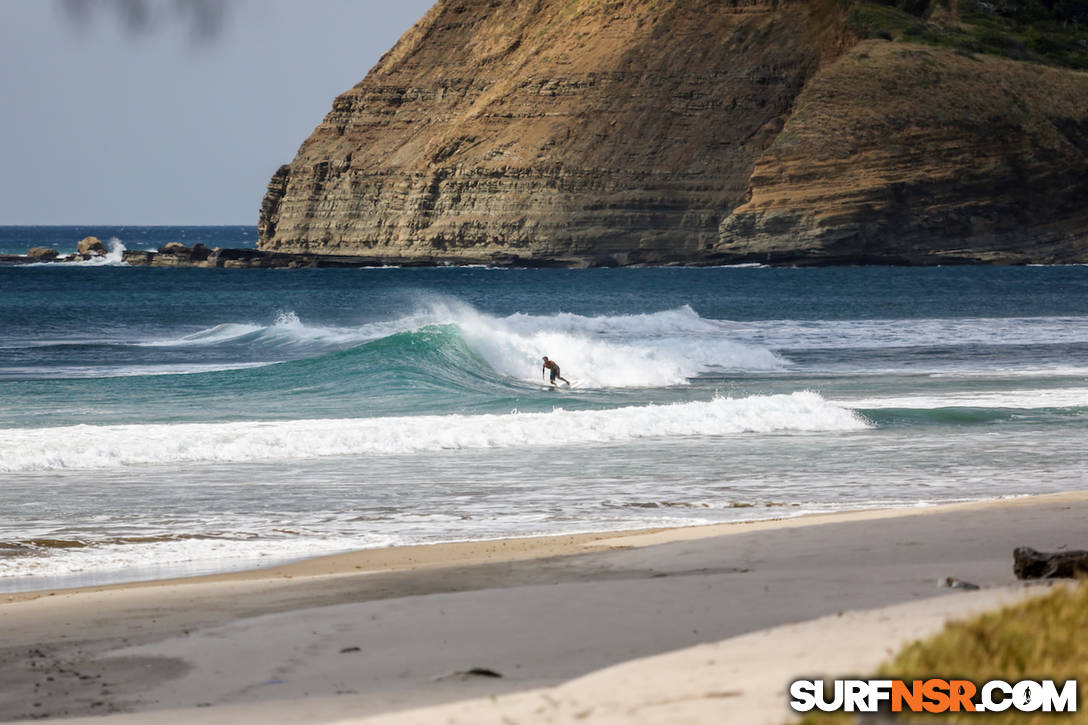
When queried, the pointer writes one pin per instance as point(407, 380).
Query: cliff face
point(906, 153)
point(690, 131)
point(555, 129)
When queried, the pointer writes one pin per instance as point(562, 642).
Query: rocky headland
point(590, 132)
point(176, 254)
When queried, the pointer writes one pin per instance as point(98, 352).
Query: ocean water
point(156, 422)
point(17, 240)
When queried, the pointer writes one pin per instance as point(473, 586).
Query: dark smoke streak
point(206, 19)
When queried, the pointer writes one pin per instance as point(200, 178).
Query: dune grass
point(1042, 638)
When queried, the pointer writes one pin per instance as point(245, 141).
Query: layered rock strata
point(584, 132)
point(906, 153)
point(549, 129)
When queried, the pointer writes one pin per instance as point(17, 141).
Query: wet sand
point(375, 632)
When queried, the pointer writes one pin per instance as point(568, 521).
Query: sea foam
point(113, 258)
point(655, 350)
point(1008, 399)
point(659, 349)
point(85, 446)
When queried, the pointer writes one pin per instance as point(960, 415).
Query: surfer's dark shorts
point(554, 374)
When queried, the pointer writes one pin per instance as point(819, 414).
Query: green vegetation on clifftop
point(1053, 32)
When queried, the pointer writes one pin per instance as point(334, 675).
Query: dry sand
point(374, 632)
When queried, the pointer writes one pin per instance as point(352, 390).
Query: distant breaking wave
point(1006, 399)
point(877, 334)
point(84, 446)
point(287, 330)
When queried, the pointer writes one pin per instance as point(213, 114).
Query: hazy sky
point(171, 111)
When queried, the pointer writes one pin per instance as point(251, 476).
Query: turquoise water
point(164, 421)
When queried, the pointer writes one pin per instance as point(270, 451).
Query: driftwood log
point(1031, 564)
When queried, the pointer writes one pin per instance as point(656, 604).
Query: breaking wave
point(85, 446)
point(625, 351)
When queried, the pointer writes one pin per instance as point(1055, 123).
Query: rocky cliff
point(903, 153)
point(687, 131)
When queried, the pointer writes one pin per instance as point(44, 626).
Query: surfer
point(551, 365)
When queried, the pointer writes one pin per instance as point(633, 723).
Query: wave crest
point(620, 351)
point(81, 447)
point(654, 350)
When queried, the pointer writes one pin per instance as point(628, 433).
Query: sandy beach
point(699, 624)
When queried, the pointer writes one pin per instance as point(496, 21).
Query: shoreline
point(373, 632)
point(412, 557)
point(199, 256)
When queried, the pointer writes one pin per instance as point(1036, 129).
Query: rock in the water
point(91, 246)
point(1031, 564)
point(43, 253)
point(137, 257)
point(174, 248)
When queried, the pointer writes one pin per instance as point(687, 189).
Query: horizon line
point(203, 224)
